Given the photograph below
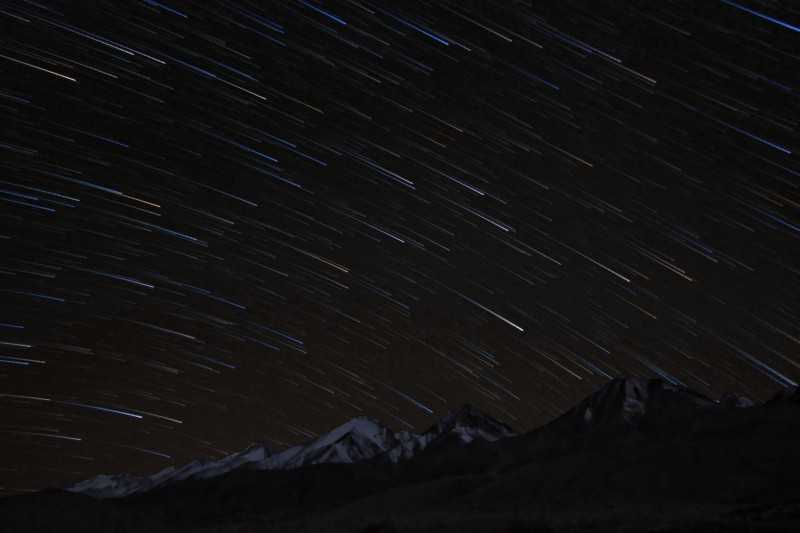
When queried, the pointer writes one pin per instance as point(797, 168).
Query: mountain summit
point(630, 402)
point(468, 423)
point(356, 440)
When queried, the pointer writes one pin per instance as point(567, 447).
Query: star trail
point(233, 222)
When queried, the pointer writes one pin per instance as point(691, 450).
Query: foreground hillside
point(637, 455)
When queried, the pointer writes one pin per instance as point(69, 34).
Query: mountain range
point(636, 455)
point(359, 439)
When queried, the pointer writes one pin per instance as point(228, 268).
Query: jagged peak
point(470, 422)
point(361, 425)
point(628, 399)
point(466, 410)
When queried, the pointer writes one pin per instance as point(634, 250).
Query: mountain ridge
point(651, 456)
point(361, 438)
point(619, 405)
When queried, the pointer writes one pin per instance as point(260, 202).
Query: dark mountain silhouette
point(637, 455)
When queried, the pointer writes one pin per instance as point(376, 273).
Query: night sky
point(233, 222)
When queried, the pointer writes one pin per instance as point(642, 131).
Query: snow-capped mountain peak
point(360, 428)
point(626, 401)
point(468, 424)
point(358, 439)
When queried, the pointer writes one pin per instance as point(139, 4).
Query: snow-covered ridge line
point(619, 405)
point(357, 440)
